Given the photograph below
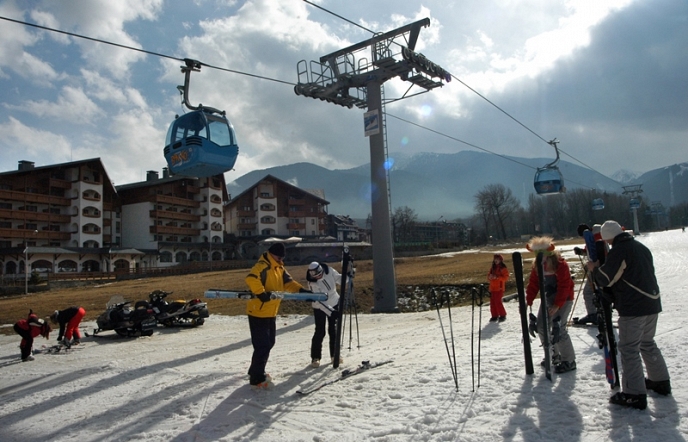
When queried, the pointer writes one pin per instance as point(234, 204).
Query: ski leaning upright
point(347, 262)
point(606, 336)
point(522, 309)
point(547, 344)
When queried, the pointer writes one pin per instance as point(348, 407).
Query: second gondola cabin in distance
point(201, 143)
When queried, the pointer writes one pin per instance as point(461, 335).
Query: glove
point(578, 251)
point(265, 296)
point(335, 314)
point(532, 326)
point(302, 290)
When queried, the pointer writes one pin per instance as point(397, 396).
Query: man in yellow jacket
point(267, 275)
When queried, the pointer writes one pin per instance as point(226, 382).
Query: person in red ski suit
point(69, 320)
point(28, 329)
point(559, 301)
point(498, 276)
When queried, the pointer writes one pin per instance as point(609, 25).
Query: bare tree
point(496, 203)
point(402, 222)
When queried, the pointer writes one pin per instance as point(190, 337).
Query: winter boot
point(660, 387)
point(565, 366)
point(315, 363)
point(502, 318)
point(638, 401)
point(341, 360)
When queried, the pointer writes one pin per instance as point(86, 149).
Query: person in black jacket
point(628, 276)
point(69, 320)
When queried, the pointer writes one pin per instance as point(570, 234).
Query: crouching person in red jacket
point(28, 329)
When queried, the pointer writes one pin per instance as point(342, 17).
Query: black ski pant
point(26, 343)
point(263, 332)
point(316, 343)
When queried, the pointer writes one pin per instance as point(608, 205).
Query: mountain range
point(444, 185)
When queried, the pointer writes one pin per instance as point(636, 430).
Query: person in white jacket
point(323, 279)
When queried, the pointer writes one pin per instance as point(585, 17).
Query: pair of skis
point(222, 293)
point(606, 336)
point(523, 311)
point(364, 366)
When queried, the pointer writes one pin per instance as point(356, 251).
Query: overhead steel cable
point(158, 54)
point(132, 48)
point(472, 90)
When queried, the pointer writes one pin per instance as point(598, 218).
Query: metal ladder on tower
point(383, 122)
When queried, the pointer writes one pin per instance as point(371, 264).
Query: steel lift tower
point(354, 76)
point(634, 191)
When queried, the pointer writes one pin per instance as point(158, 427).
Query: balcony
point(33, 216)
point(169, 230)
point(296, 226)
point(177, 201)
point(166, 214)
point(14, 195)
point(32, 235)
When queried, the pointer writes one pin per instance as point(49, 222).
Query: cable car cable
point(71, 34)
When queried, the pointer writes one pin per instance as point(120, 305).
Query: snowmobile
point(176, 313)
point(125, 321)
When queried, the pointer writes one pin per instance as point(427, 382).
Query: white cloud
point(24, 142)
point(72, 105)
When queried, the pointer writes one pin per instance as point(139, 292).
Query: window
point(165, 257)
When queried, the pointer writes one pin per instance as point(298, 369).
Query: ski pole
point(352, 305)
point(451, 332)
point(480, 320)
point(473, 296)
point(438, 304)
point(575, 301)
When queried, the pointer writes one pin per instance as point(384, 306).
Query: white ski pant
point(563, 348)
point(636, 341)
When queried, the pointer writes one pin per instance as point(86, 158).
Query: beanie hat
point(610, 229)
point(278, 249)
point(582, 228)
point(497, 255)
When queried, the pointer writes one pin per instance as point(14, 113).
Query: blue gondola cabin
point(548, 181)
point(201, 144)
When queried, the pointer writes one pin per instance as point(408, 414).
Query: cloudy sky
point(608, 79)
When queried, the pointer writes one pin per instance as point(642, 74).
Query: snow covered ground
point(191, 384)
